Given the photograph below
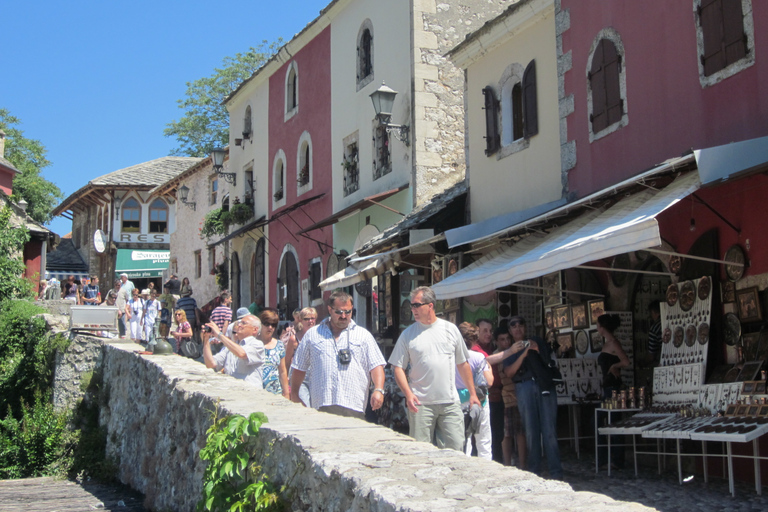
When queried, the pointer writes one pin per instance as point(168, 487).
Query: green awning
point(139, 263)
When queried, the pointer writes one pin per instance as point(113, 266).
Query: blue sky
point(97, 81)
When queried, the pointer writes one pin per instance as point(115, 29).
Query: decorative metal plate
point(679, 336)
point(672, 293)
point(732, 329)
point(703, 333)
point(687, 295)
point(582, 342)
point(735, 254)
point(705, 287)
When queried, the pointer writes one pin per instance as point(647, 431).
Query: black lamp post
point(383, 100)
point(217, 157)
point(183, 195)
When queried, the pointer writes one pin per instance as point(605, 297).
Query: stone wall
point(158, 409)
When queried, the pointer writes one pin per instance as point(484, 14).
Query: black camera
point(345, 356)
point(206, 328)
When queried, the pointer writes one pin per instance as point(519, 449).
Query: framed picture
point(595, 341)
point(579, 316)
point(718, 375)
point(731, 411)
point(562, 316)
point(763, 410)
point(564, 343)
point(750, 370)
point(753, 410)
point(551, 285)
point(749, 305)
point(549, 319)
point(452, 264)
point(750, 347)
point(596, 308)
point(741, 410)
point(760, 387)
point(748, 387)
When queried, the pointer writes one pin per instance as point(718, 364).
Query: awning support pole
point(629, 271)
point(737, 230)
point(700, 258)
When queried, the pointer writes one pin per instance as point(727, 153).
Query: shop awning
point(628, 225)
point(139, 263)
point(353, 275)
point(353, 209)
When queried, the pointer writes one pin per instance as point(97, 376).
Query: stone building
point(117, 226)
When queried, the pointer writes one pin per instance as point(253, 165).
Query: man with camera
point(241, 357)
point(339, 359)
point(529, 369)
point(433, 347)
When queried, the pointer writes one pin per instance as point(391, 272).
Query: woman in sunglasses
point(273, 371)
point(184, 331)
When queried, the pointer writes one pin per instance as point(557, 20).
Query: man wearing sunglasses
point(339, 359)
point(433, 347)
point(241, 357)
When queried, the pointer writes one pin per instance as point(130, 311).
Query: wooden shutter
point(607, 104)
point(530, 107)
point(722, 27)
point(492, 138)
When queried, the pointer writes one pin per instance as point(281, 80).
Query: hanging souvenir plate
point(672, 295)
point(679, 336)
point(667, 337)
point(582, 342)
point(675, 264)
point(736, 259)
point(703, 333)
point(690, 335)
point(732, 330)
point(705, 287)
point(687, 295)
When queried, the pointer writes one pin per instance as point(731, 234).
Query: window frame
point(381, 144)
point(123, 209)
point(735, 66)
point(360, 61)
point(291, 90)
point(198, 256)
point(213, 189)
point(350, 164)
point(279, 170)
point(152, 209)
point(614, 38)
point(304, 157)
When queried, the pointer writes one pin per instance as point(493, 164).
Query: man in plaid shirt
point(341, 359)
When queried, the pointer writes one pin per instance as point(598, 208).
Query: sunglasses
point(274, 325)
point(309, 319)
point(341, 312)
point(416, 305)
point(515, 324)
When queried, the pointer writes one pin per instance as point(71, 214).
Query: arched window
point(518, 108)
point(606, 85)
point(725, 38)
point(158, 216)
point(304, 164)
point(364, 54)
point(291, 90)
point(247, 123)
point(131, 216)
point(278, 179)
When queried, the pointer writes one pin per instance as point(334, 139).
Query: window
point(198, 264)
point(725, 38)
point(158, 216)
point(365, 55)
point(315, 276)
point(291, 91)
point(382, 163)
point(350, 165)
point(519, 111)
point(304, 164)
point(247, 124)
point(278, 179)
point(214, 197)
point(131, 216)
point(212, 260)
point(249, 186)
point(606, 85)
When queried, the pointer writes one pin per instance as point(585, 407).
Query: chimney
point(23, 205)
point(2, 144)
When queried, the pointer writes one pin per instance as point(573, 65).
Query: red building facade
point(300, 175)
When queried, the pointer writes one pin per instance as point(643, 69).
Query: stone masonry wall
point(438, 100)
point(159, 407)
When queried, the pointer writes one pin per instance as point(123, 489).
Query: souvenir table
point(601, 430)
point(629, 426)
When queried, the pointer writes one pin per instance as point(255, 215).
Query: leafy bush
point(213, 224)
point(36, 443)
point(233, 479)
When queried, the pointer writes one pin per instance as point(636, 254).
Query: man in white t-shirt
point(432, 347)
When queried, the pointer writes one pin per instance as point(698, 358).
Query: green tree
point(12, 240)
point(28, 156)
point(205, 123)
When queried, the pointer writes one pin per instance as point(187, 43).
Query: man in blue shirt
point(91, 293)
point(536, 396)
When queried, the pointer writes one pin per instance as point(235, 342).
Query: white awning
point(629, 225)
point(352, 275)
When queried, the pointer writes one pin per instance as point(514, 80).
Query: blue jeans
point(539, 413)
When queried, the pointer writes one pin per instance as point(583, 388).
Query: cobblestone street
point(661, 491)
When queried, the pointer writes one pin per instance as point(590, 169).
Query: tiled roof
point(8, 165)
point(20, 217)
point(65, 258)
point(152, 173)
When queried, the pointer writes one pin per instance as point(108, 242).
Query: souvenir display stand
point(683, 407)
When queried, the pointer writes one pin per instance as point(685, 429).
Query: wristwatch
point(379, 390)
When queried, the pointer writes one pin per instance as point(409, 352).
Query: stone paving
point(662, 492)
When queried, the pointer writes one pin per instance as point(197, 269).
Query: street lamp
point(183, 195)
point(383, 100)
point(217, 157)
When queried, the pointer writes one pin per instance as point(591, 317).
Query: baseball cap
point(242, 312)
